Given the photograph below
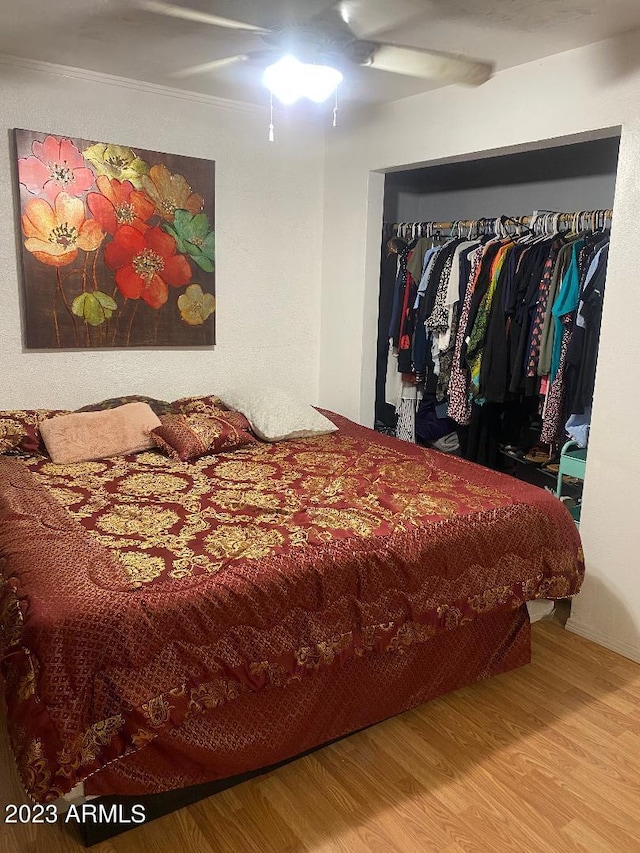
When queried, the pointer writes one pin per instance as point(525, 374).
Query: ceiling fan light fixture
point(283, 79)
point(289, 80)
point(321, 81)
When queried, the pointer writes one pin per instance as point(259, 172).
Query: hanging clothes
point(566, 303)
point(384, 413)
point(478, 335)
point(459, 399)
point(582, 355)
point(546, 337)
point(542, 300)
point(501, 331)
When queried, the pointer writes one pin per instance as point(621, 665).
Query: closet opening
point(491, 284)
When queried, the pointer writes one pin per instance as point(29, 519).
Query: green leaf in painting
point(196, 254)
point(107, 302)
point(77, 306)
point(209, 245)
point(179, 243)
point(200, 225)
point(182, 218)
point(194, 237)
point(94, 308)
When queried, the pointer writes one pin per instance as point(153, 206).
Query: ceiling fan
point(330, 39)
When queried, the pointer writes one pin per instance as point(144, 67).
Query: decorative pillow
point(27, 422)
point(186, 437)
point(10, 435)
point(275, 416)
point(82, 436)
point(208, 405)
point(160, 407)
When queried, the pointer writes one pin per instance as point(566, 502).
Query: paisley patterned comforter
point(138, 591)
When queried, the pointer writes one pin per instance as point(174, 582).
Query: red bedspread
point(138, 592)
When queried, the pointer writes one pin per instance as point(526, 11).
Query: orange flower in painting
point(119, 203)
point(146, 264)
point(54, 234)
point(170, 193)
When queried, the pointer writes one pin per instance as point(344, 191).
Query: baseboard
point(628, 650)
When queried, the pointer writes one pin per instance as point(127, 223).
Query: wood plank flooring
point(546, 758)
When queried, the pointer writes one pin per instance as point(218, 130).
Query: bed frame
point(492, 644)
point(159, 805)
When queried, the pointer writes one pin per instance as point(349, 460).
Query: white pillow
point(275, 415)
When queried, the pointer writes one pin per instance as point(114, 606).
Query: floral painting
point(118, 245)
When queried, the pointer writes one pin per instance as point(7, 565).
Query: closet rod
point(564, 218)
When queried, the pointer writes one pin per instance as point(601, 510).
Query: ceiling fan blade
point(430, 64)
point(173, 11)
point(366, 18)
point(214, 65)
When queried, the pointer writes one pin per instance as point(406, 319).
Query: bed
point(166, 624)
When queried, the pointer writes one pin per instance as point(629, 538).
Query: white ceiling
point(112, 36)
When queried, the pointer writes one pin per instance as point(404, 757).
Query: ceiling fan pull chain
point(335, 111)
point(271, 133)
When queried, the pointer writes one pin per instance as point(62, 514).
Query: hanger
point(575, 226)
point(527, 233)
point(504, 220)
point(550, 221)
point(548, 224)
point(533, 223)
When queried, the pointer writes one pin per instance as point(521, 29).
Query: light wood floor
point(546, 758)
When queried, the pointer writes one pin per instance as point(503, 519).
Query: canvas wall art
point(117, 245)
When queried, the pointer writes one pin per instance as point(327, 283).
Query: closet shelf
point(532, 472)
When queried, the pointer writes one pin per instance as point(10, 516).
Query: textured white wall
point(268, 241)
point(578, 92)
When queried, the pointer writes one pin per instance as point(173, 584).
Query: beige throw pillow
point(82, 436)
point(275, 416)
